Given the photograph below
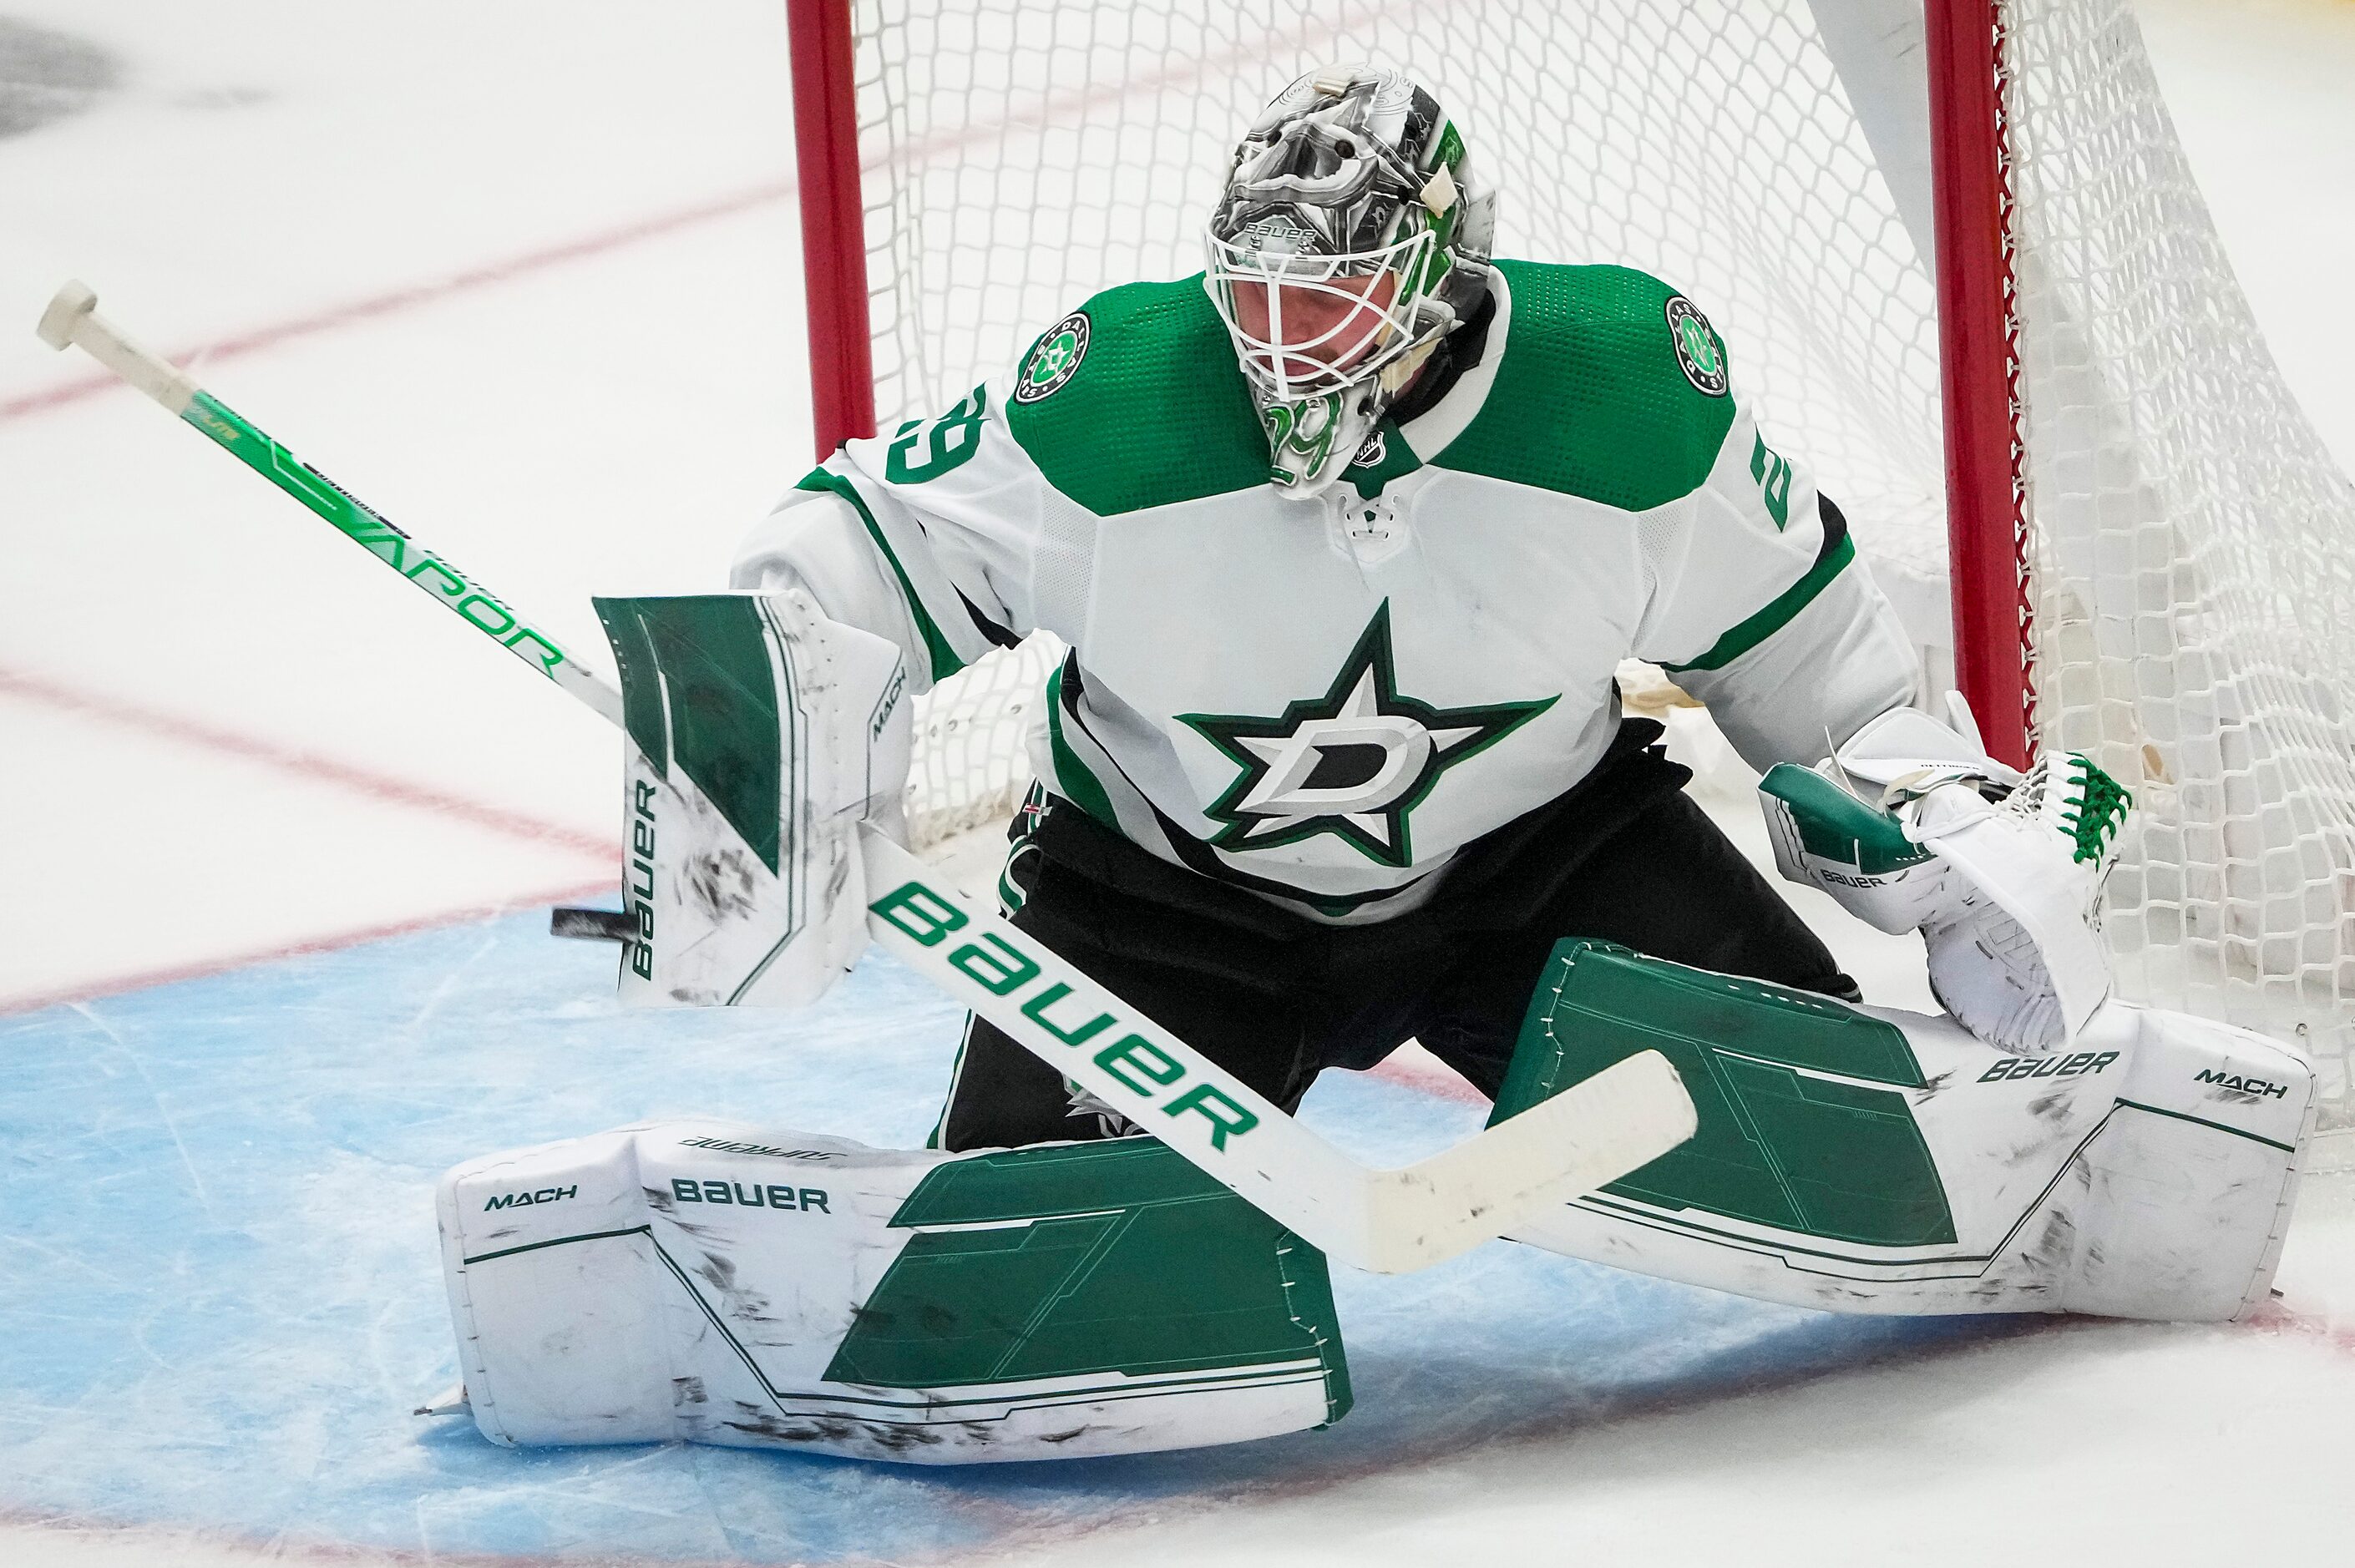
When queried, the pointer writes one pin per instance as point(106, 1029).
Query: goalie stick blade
point(1387, 1222)
point(592, 925)
point(1588, 1135)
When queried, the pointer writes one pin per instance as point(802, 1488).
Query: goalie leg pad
point(1873, 1161)
point(709, 1282)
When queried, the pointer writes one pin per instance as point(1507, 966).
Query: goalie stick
point(1387, 1221)
point(72, 317)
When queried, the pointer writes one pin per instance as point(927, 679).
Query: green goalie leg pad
point(1118, 1256)
point(1868, 1160)
point(707, 1282)
point(1779, 1145)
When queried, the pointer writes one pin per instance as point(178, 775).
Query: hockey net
point(2190, 549)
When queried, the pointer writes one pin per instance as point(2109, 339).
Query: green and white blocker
point(1323, 700)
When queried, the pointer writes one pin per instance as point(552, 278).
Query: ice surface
point(219, 1291)
point(580, 385)
point(220, 1300)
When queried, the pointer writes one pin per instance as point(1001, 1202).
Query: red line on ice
point(317, 769)
point(425, 293)
point(139, 980)
point(301, 764)
point(1432, 1077)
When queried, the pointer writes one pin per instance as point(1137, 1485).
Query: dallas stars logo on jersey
point(1056, 355)
point(1699, 354)
point(1354, 762)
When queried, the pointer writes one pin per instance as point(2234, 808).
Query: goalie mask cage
point(2149, 556)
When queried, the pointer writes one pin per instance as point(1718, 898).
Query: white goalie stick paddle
point(1388, 1220)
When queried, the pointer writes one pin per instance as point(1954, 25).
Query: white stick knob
point(72, 317)
point(74, 301)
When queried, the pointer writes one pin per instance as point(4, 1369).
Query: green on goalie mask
point(1351, 237)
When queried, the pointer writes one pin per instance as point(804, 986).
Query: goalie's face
point(1305, 325)
point(1311, 327)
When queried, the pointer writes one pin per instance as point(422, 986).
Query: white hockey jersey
point(1323, 700)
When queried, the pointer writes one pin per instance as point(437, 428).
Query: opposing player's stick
point(1387, 1221)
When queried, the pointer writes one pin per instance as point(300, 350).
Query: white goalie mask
point(1351, 237)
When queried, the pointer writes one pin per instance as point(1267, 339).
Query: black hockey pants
point(1275, 998)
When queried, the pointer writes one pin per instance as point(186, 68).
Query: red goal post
point(1987, 541)
point(1962, 267)
point(833, 232)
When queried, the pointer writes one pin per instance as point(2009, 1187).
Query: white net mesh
point(2192, 545)
point(972, 733)
point(2193, 554)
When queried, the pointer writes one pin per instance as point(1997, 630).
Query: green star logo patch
point(1699, 354)
point(1056, 355)
point(1355, 762)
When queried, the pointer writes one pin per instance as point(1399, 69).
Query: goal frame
point(1987, 523)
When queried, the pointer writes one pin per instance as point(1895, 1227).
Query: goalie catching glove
point(2000, 870)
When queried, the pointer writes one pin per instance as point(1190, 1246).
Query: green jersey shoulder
point(1135, 400)
point(1612, 387)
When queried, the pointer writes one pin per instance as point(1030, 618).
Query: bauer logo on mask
point(1276, 234)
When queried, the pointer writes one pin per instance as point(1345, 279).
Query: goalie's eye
point(1346, 149)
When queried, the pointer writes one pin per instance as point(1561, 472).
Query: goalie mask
point(1350, 238)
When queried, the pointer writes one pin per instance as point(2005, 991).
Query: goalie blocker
point(761, 733)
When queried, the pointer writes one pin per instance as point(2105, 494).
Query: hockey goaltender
point(1348, 537)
